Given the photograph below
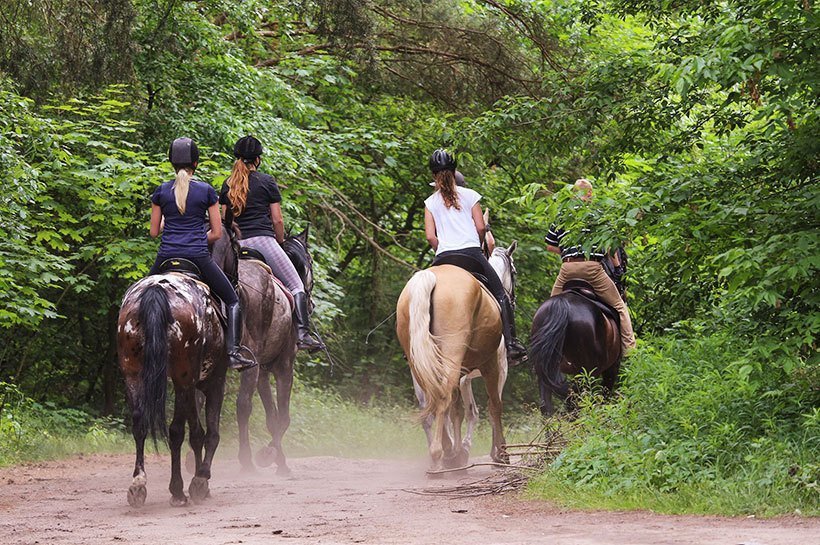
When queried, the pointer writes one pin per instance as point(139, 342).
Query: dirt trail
point(328, 501)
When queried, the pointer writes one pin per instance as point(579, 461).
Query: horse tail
point(426, 359)
point(155, 317)
point(547, 344)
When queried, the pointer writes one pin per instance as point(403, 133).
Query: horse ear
point(512, 247)
point(303, 236)
point(487, 216)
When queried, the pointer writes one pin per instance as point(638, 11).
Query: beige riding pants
point(593, 272)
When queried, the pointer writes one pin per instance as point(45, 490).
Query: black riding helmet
point(247, 148)
point(183, 153)
point(442, 160)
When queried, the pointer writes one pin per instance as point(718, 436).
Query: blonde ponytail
point(238, 186)
point(181, 185)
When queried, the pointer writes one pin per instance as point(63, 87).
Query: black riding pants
point(493, 281)
point(211, 275)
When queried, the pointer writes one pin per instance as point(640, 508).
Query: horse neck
point(502, 269)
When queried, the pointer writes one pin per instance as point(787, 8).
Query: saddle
point(584, 289)
point(182, 266)
point(185, 267)
point(256, 255)
point(469, 264)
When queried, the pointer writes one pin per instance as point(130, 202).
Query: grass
point(322, 424)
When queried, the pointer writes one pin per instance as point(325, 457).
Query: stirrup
point(310, 343)
point(516, 354)
point(239, 363)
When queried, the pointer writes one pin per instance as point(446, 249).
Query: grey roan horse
point(269, 333)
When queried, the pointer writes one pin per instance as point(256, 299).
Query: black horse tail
point(547, 344)
point(155, 317)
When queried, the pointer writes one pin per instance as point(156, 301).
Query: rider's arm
point(478, 219)
point(552, 239)
point(554, 249)
point(430, 229)
point(156, 221)
point(215, 232)
point(278, 222)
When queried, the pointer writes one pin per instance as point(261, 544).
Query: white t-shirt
point(455, 228)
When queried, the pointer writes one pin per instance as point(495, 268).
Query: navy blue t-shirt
point(255, 220)
point(185, 235)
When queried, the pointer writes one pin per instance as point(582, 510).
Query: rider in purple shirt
point(188, 207)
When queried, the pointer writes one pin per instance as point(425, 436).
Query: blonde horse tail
point(427, 362)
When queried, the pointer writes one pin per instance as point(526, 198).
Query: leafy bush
point(701, 425)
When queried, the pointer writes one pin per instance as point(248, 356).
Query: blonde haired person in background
point(585, 264)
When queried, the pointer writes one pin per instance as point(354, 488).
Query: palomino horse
point(572, 333)
point(502, 262)
point(269, 333)
point(168, 326)
point(448, 335)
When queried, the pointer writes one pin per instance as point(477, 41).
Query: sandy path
point(328, 501)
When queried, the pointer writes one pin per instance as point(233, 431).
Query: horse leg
point(436, 444)
point(494, 379)
point(609, 378)
point(427, 423)
point(214, 394)
point(184, 403)
point(244, 407)
point(137, 491)
point(547, 407)
point(471, 409)
point(284, 384)
point(454, 453)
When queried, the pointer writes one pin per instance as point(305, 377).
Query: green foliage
point(699, 418)
point(32, 431)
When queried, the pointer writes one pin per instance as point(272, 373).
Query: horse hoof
point(462, 457)
point(178, 502)
point(265, 456)
point(136, 495)
point(190, 463)
point(283, 470)
point(198, 489)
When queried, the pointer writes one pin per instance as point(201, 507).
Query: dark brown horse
point(168, 326)
point(269, 333)
point(571, 333)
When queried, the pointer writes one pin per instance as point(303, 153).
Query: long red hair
point(238, 186)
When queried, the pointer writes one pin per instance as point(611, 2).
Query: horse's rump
point(446, 321)
point(267, 310)
point(193, 321)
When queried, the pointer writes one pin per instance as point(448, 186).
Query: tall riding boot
point(306, 340)
point(516, 352)
point(232, 336)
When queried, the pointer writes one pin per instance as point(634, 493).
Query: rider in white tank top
point(455, 228)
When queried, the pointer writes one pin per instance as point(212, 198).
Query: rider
point(186, 204)
point(254, 198)
point(576, 264)
point(454, 226)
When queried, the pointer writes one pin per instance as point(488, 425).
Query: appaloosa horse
point(571, 333)
point(449, 326)
point(168, 325)
point(270, 335)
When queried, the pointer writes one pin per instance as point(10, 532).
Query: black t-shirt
point(255, 220)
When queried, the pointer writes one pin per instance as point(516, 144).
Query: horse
point(269, 332)
point(169, 325)
point(572, 333)
point(501, 261)
point(449, 336)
